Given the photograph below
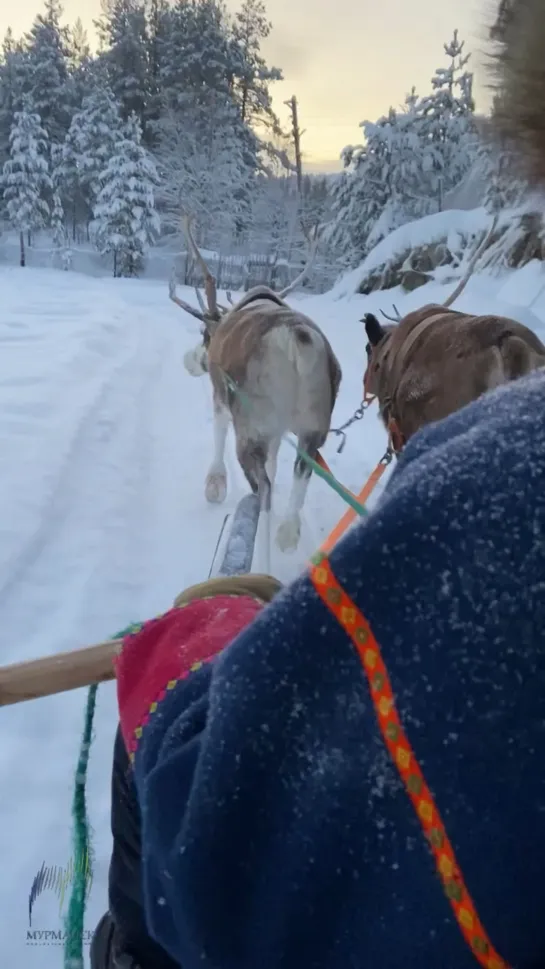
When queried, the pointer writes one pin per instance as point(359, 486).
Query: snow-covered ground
point(105, 442)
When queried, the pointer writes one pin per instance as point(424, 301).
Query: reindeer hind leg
point(253, 457)
point(289, 530)
point(216, 480)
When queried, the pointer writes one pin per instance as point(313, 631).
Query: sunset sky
point(346, 60)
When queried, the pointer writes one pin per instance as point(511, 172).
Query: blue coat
point(276, 831)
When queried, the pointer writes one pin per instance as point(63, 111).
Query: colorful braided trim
point(138, 627)
point(138, 731)
point(357, 628)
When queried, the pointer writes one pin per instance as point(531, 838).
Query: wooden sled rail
point(56, 674)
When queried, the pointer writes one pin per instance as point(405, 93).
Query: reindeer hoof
point(215, 489)
point(288, 534)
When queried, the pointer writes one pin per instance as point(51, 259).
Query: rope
point(82, 867)
point(349, 514)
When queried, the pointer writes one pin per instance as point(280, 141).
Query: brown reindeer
point(272, 371)
point(436, 360)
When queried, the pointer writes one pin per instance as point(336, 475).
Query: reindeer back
point(440, 360)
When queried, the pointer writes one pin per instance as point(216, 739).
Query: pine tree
point(208, 154)
point(384, 183)
point(125, 220)
point(252, 75)
point(57, 222)
point(25, 177)
point(80, 65)
point(13, 67)
point(159, 20)
point(123, 35)
point(47, 76)
point(448, 122)
point(86, 151)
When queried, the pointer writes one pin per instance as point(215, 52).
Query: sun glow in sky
point(346, 60)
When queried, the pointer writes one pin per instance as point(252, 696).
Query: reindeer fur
point(454, 359)
point(289, 378)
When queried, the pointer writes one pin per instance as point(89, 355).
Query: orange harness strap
point(362, 497)
point(357, 628)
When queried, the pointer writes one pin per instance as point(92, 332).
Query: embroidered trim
point(357, 628)
point(153, 707)
point(138, 627)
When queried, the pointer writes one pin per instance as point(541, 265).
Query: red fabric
point(167, 649)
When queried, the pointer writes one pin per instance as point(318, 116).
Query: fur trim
point(520, 69)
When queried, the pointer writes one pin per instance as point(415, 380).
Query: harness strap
point(350, 514)
point(358, 630)
point(408, 343)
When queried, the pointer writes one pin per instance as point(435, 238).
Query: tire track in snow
point(54, 508)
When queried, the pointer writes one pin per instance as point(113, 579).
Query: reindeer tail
point(520, 69)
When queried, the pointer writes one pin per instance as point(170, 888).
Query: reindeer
point(436, 360)
point(272, 370)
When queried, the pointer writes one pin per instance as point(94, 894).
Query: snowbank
point(423, 232)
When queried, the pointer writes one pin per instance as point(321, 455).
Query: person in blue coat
point(352, 774)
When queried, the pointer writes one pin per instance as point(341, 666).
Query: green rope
point(82, 867)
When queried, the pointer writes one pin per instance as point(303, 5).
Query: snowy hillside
point(105, 444)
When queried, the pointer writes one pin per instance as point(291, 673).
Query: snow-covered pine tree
point(343, 233)
point(87, 148)
point(25, 177)
point(57, 222)
point(122, 31)
point(158, 17)
point(252, 74)
point(13, 68)
point(448, 122)
point(207, 155)
point(382, 186)
point(80, 64)
point(125, 220)
point(208, 177)
point(47, 79)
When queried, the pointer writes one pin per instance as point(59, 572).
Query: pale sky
point(346, 60)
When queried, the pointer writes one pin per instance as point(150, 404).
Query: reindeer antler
point(213, 311)
point(180, 302)
point(393, 319)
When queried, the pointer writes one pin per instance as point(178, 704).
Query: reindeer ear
point(374, 330)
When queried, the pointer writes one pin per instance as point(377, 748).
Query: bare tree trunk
point(22, 261)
